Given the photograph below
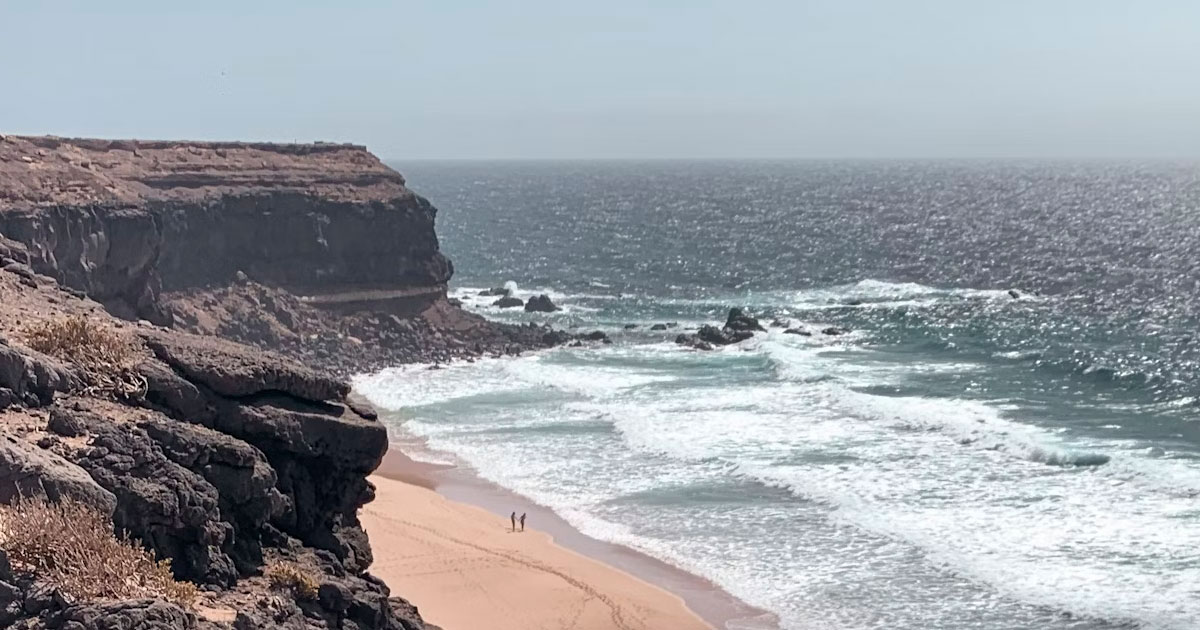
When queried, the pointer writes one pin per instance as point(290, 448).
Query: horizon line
point(913, 158)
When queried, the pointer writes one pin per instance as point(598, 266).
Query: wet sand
point(442, 539)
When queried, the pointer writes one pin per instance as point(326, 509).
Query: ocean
point(961, 459)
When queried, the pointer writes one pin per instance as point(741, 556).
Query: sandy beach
point(465, 568)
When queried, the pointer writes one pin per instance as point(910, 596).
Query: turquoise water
point(962, 459)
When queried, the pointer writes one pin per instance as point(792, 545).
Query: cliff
point(224, 459)
point(319, 251)
point(127, 220)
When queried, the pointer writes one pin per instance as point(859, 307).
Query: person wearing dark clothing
point(514, 521)
point(522, 521)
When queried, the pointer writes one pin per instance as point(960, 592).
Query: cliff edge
point(223, 459)
point(131, 273)
point(319, 250)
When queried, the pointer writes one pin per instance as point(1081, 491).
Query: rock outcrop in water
point(540, 304)
point(739, 326)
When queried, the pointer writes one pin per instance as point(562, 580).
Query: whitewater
point(778, 469)
point(961, 459)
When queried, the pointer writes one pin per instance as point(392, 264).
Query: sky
point(617, 79)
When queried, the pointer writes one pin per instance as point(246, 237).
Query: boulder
point(630, 326)
point(803, 332)
point(1014, 294)
point(739, 321)
point(232, 369)
point(33, 377)
point(834, 331)
point(723, 337)
point(26, 470)
point(658, 327)
point(596, 335)
point(540, 304)
point(508, 302)
point(496, 292)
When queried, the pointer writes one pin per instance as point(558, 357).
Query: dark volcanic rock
point(658, 327)
point(835, 330)
point(540, 304)
point(230, 369)
point(739, 321)
point(244, 480)
point(508, 302)
point(138, 614)
point(496, 292)
point(32, 377)
point(804, 332)
point(596, 335)
point(177, 215)
point(693, 341)
point(29, 471)
point(172, 509)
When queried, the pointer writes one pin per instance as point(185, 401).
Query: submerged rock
point(803, 332)
point(496, 292)
point(693, 341)
point(658, 327)
point(833, 331)
point(508, 302)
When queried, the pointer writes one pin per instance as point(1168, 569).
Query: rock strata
point(233, 458)
point(314, 250)
point(227, 458)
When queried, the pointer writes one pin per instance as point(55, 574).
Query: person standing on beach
point(522, 521)
point(514, 521)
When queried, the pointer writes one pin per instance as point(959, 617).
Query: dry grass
point(287, 576)
point(72, 546)
point(106, 355)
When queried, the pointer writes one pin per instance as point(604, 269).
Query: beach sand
point(464, 567)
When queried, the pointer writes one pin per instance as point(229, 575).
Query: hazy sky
point(551, 79)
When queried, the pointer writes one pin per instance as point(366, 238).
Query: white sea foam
point(921, 503)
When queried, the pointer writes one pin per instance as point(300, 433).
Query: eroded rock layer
point(227, 460)
point(126, 220)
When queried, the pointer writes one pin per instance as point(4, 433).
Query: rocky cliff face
point(126, 221)
point(225, 460)
point(318, 251)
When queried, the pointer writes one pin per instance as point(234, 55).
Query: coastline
point(552, 576)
